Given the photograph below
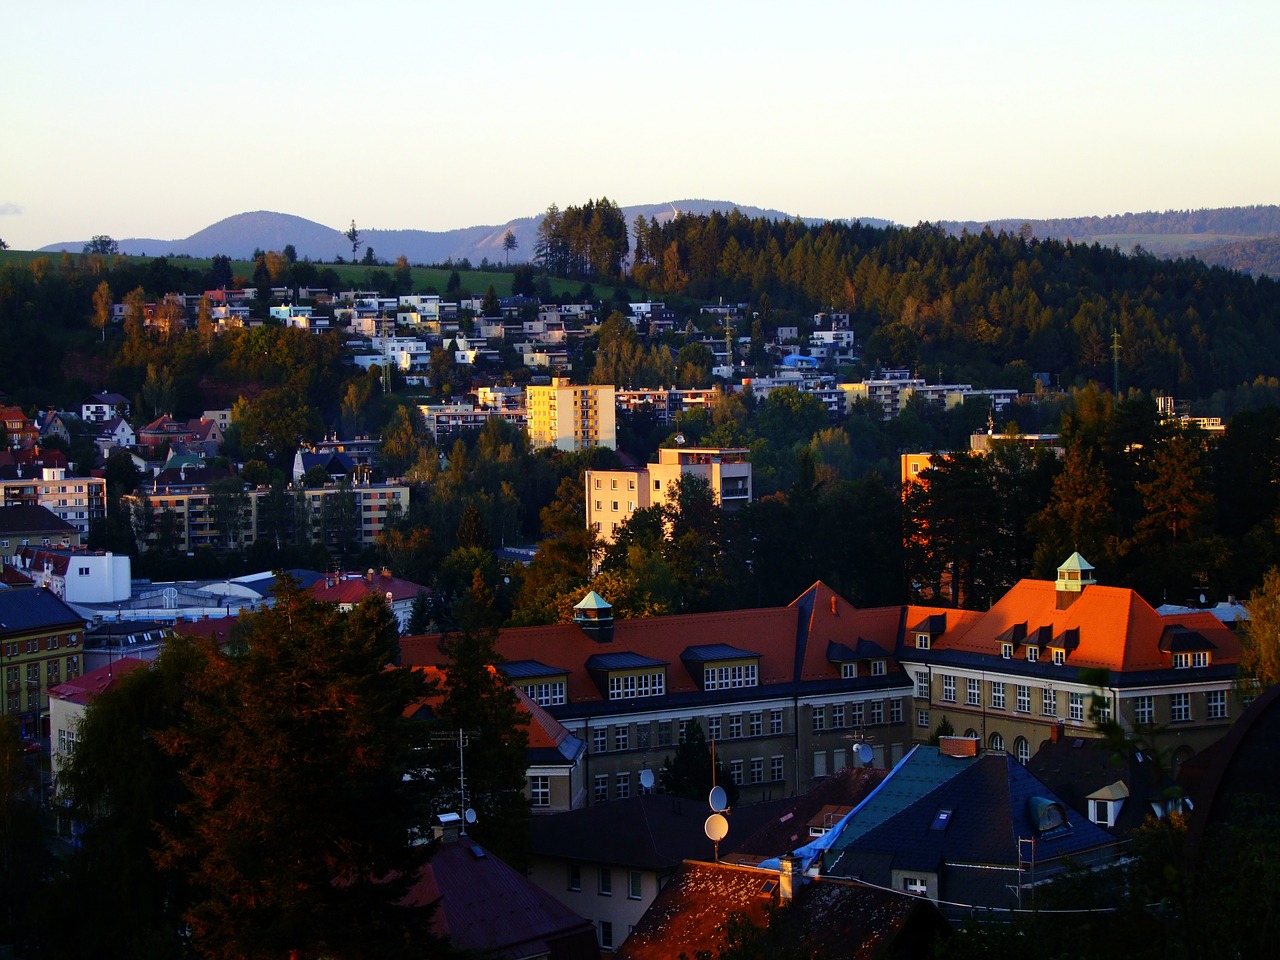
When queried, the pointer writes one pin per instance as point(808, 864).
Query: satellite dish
point(469, 816)
point(716, 827)
point(865, 753)
point(680, 439)
point(1202, 598)
point(718, 799)
point(646, 779)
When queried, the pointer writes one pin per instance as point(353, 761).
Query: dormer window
point(1059, 657)
point(1006, 651)
point(1033, 654)
point(849, 671)
point(878, 668)
point(922, 641)
point(1181, 661)
point(1200, 658)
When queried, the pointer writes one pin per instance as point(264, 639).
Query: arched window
point(972, 734)
point(997, 741)
point(1022, 750)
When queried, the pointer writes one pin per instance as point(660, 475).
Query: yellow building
point(41, 640)
point(614, 495)
point(572, 417)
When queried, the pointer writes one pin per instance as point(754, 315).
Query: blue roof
point(621, 661)
point(526, 669)
point(716, 651)
point(34, 609)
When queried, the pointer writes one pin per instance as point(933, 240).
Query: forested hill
point(979, 304)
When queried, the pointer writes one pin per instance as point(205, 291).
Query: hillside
point(238, 236)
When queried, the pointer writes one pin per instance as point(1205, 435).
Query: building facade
point(77, 500)
point(572, 417)
point(41, 641)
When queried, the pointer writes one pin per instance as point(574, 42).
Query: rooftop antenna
point(1115, 359)
point(717, 825)
point(463, 739)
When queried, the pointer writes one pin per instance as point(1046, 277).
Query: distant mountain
point(240, 235)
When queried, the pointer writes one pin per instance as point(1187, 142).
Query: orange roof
point(1117, 629)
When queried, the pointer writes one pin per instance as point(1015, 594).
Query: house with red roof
point(348, 589)
point(21, 431)
point(1050, 655)
point(69, 700)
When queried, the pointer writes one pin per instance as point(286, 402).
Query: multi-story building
point(570, 416)
point(69, 701)
point(666, 404)
point(787, 693)
point(1051, 657)
point(40, 642)
point(893, 392)
point(17, 425)
point(614, 495)
point(77, 500)
point(78, 576)
point(25, 526)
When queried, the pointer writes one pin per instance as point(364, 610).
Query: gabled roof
point(23, 610)
point(29, 518)
point(84, 689)
point(834, 919)
point(550, 741)
point(488, 908)
point(353, 589)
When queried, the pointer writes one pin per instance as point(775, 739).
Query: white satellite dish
point(865, 753)
point(718, 799)
point(469, 816)
point(646, 779)
point(680, 439)
point(716, 827)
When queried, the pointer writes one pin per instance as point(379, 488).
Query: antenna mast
point(1115, 359)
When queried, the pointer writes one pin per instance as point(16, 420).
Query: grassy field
point(354, 276)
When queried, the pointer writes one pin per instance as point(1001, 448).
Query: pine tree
point(687, 773)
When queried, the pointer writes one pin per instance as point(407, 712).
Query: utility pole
point(1115, 360)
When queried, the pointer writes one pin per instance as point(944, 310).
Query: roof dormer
point(1073, 576)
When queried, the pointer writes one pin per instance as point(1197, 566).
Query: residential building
point(68, 702)
point(77, 576)
point(28, 525)
point(40, 640)
point(571, 417)
point(77, 500)
point(666, 404)
point(786, 692)
point(22, 432)
point(961, 828)
point(893, 391)
point(1052, 655)
point(105, 406)
point(445, 420)
point(614, 495)
point(113, 435)
point(348, 589)
point(823, 917)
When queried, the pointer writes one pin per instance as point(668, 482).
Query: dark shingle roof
point(28, 518)
point(22, 610)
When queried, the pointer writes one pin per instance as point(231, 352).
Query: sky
point(156, 119)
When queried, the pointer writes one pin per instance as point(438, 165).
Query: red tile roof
point(83, 689)
point(353, 588)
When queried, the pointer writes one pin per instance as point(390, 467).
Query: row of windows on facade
point(53, 671)
point(1181, 661)
point(1144, 706)
point(33, 644)
point(631, 686)
point(618, 786)
point(44, 541)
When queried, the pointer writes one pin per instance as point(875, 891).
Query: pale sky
point(156, 119)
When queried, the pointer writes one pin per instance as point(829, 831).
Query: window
point(1181, 661)
point(895, 711)
point(1075, 707)
point(605, 885)
point(634, 887)
point(727, 678)
point(735, 771)
point(631, 685)
point(948, 688)
point(1033, 654)
point(713, 728)
point(857, 714)
point(613, 483)
point(922, 685)
point(775, 722)
point(1102, 812)
point(1059, 657)
point(819, 719)
point(877, 711)
point(1048, 702)
point(540, 791)
point(1144, 710)
point(735, 726)
point(997, 695)
point(1006, 651)
point(1179, 707)
point(599, 505)
point(878, 668)
point(1022, 750)
point(756, 727)
point(1102, 704)
point(546, 694)
point(614, 506)
point(915, 886)
point(849, 671)
point(1200, 658)
point(575, 877)
point(684, 729)
point(1024, 698)
point(1216, 704)
point(997, 742)
point(837, 716)
point(600, 739)
point(657, 484)
point(642, 736)
point(922, 719)
point(631, 484)
point(664, 733)
point(973, 692)
point(922, 641)
point(597, 484)
point(606, 934)
point(601, 789)
point(820, 763)
point(622, 786)
point(776, 769)
point(757, 769)
point(621, 737)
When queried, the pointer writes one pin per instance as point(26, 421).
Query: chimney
point(958, 746)
point(790, 875)
point(369, 575)
point(1055, 732)
point(1073, 576)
